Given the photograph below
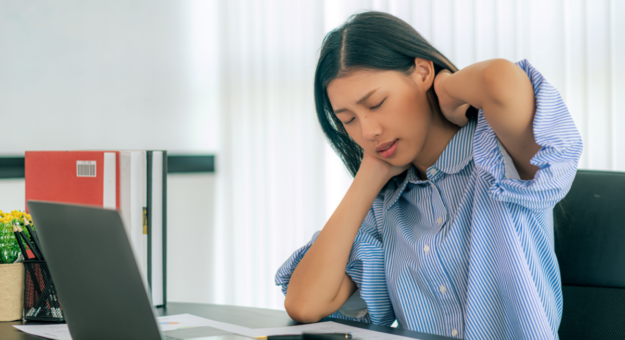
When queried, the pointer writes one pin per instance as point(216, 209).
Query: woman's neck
point(440, 133)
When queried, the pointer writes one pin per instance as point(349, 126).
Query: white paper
point(327, 327)
point(181, 321)
point(165, 323)
point(58, 332)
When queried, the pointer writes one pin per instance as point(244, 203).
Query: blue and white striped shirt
point(469, 252)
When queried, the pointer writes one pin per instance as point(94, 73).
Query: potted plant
point(11, 267)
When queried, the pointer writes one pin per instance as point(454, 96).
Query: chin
point(397, 161)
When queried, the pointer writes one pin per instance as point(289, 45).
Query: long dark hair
point(369, 40)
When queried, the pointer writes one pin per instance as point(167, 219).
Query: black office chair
point(590, 245)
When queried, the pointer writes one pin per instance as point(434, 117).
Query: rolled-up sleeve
point(370, 303)
point(557, 159)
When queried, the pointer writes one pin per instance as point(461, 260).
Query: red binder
point(81, 177)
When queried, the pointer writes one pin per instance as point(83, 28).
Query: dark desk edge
point(13, 167)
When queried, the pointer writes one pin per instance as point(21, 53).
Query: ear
point(423, 73)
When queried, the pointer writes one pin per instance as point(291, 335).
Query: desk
point(243, 316)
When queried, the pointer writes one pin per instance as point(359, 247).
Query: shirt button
point(439, 220)
point(433, 171)
point(443, 289)
point(454, 332)
point(426, 248)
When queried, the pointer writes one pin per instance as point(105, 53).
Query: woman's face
point(382, 108)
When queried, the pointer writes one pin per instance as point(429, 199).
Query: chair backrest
point(590, 246)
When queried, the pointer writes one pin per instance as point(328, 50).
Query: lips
point(384, 146)
point(387, 150)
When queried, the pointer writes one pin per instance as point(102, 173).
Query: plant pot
point(11, 291)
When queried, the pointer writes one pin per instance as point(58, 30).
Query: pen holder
point(40, 300)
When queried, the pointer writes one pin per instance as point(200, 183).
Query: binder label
point(85, 168)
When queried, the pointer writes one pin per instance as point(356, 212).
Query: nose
point(370, 128)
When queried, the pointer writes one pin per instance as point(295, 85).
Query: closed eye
point(375, 107)
point(351, 120)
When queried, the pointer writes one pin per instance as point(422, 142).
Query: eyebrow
point(366, 96)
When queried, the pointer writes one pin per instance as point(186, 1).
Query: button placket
point(454, 314)
point(427, 249)
point(445, 291)
point(440, 283)
point(439, 210)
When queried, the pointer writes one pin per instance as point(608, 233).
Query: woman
point(447, 226)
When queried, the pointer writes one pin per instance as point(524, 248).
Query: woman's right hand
point(319, 285)
point(380, 167)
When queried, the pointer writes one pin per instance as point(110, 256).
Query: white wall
point(12, 194)
point(102, 75)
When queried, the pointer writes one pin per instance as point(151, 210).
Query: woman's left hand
point(453, 109)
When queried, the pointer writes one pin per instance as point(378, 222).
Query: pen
point(307, 336)
point(282, 337)
point(30, 245)
point(326, 336)
point(34, 236)
point(19, 242)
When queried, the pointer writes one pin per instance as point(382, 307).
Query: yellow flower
point(15, 215)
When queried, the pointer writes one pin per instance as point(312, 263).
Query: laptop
point(97, 277)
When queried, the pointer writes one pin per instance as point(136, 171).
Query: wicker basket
point(11, 291)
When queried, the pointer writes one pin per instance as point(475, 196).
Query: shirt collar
point(459, 151)
point(455, 157)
